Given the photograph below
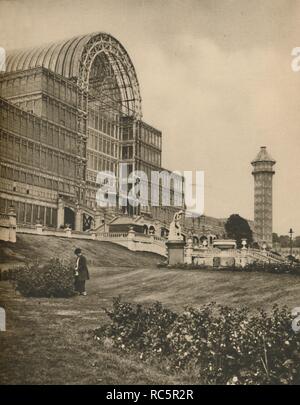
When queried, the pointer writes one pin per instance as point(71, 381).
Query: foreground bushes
point(281, 268)
point(54, 279)
point(8, 275)
point(223, 345)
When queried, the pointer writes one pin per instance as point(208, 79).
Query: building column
point(60, 213)
point(12, 225)
point(78, 219)
point(98, 219)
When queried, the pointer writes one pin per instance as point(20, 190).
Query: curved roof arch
point(73, 59)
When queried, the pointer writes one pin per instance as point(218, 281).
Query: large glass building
point(69, 110)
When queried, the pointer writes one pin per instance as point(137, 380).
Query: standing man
point(81, 272)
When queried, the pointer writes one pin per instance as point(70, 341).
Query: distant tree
point(284, 241)
point(238, 228)
point(297, 241)
point(275, 237)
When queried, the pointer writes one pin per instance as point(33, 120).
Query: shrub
point(137, 327)
point(281, 268)
point(224, 345)
point(9, 274)
point(54, 279)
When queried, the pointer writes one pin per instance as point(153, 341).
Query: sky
point(215, 78)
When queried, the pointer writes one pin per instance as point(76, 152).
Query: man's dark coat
point(83, 272)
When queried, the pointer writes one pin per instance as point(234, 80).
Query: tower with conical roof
point(263, 175)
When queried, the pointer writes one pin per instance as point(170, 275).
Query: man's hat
point(77, 251)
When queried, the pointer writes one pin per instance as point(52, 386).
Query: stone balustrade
point(217, 257)
point(131, 240)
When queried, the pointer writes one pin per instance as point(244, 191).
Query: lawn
point(48, 341)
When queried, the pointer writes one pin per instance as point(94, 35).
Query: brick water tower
point(263, 211)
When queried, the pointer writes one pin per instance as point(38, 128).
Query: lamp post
point(291, 241)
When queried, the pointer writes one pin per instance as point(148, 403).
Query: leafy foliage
point(238, 228)
point(280, 268)
point(224, 345)
point(8, 275)
point(54, 279)
point(284, 241)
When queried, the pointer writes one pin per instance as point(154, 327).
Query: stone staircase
point(265, 257)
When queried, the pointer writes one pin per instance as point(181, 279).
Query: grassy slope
point(35, 247)
point(47, 341)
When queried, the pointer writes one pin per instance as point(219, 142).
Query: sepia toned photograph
point(149, 195)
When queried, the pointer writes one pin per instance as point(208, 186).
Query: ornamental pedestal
point(175, 251)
